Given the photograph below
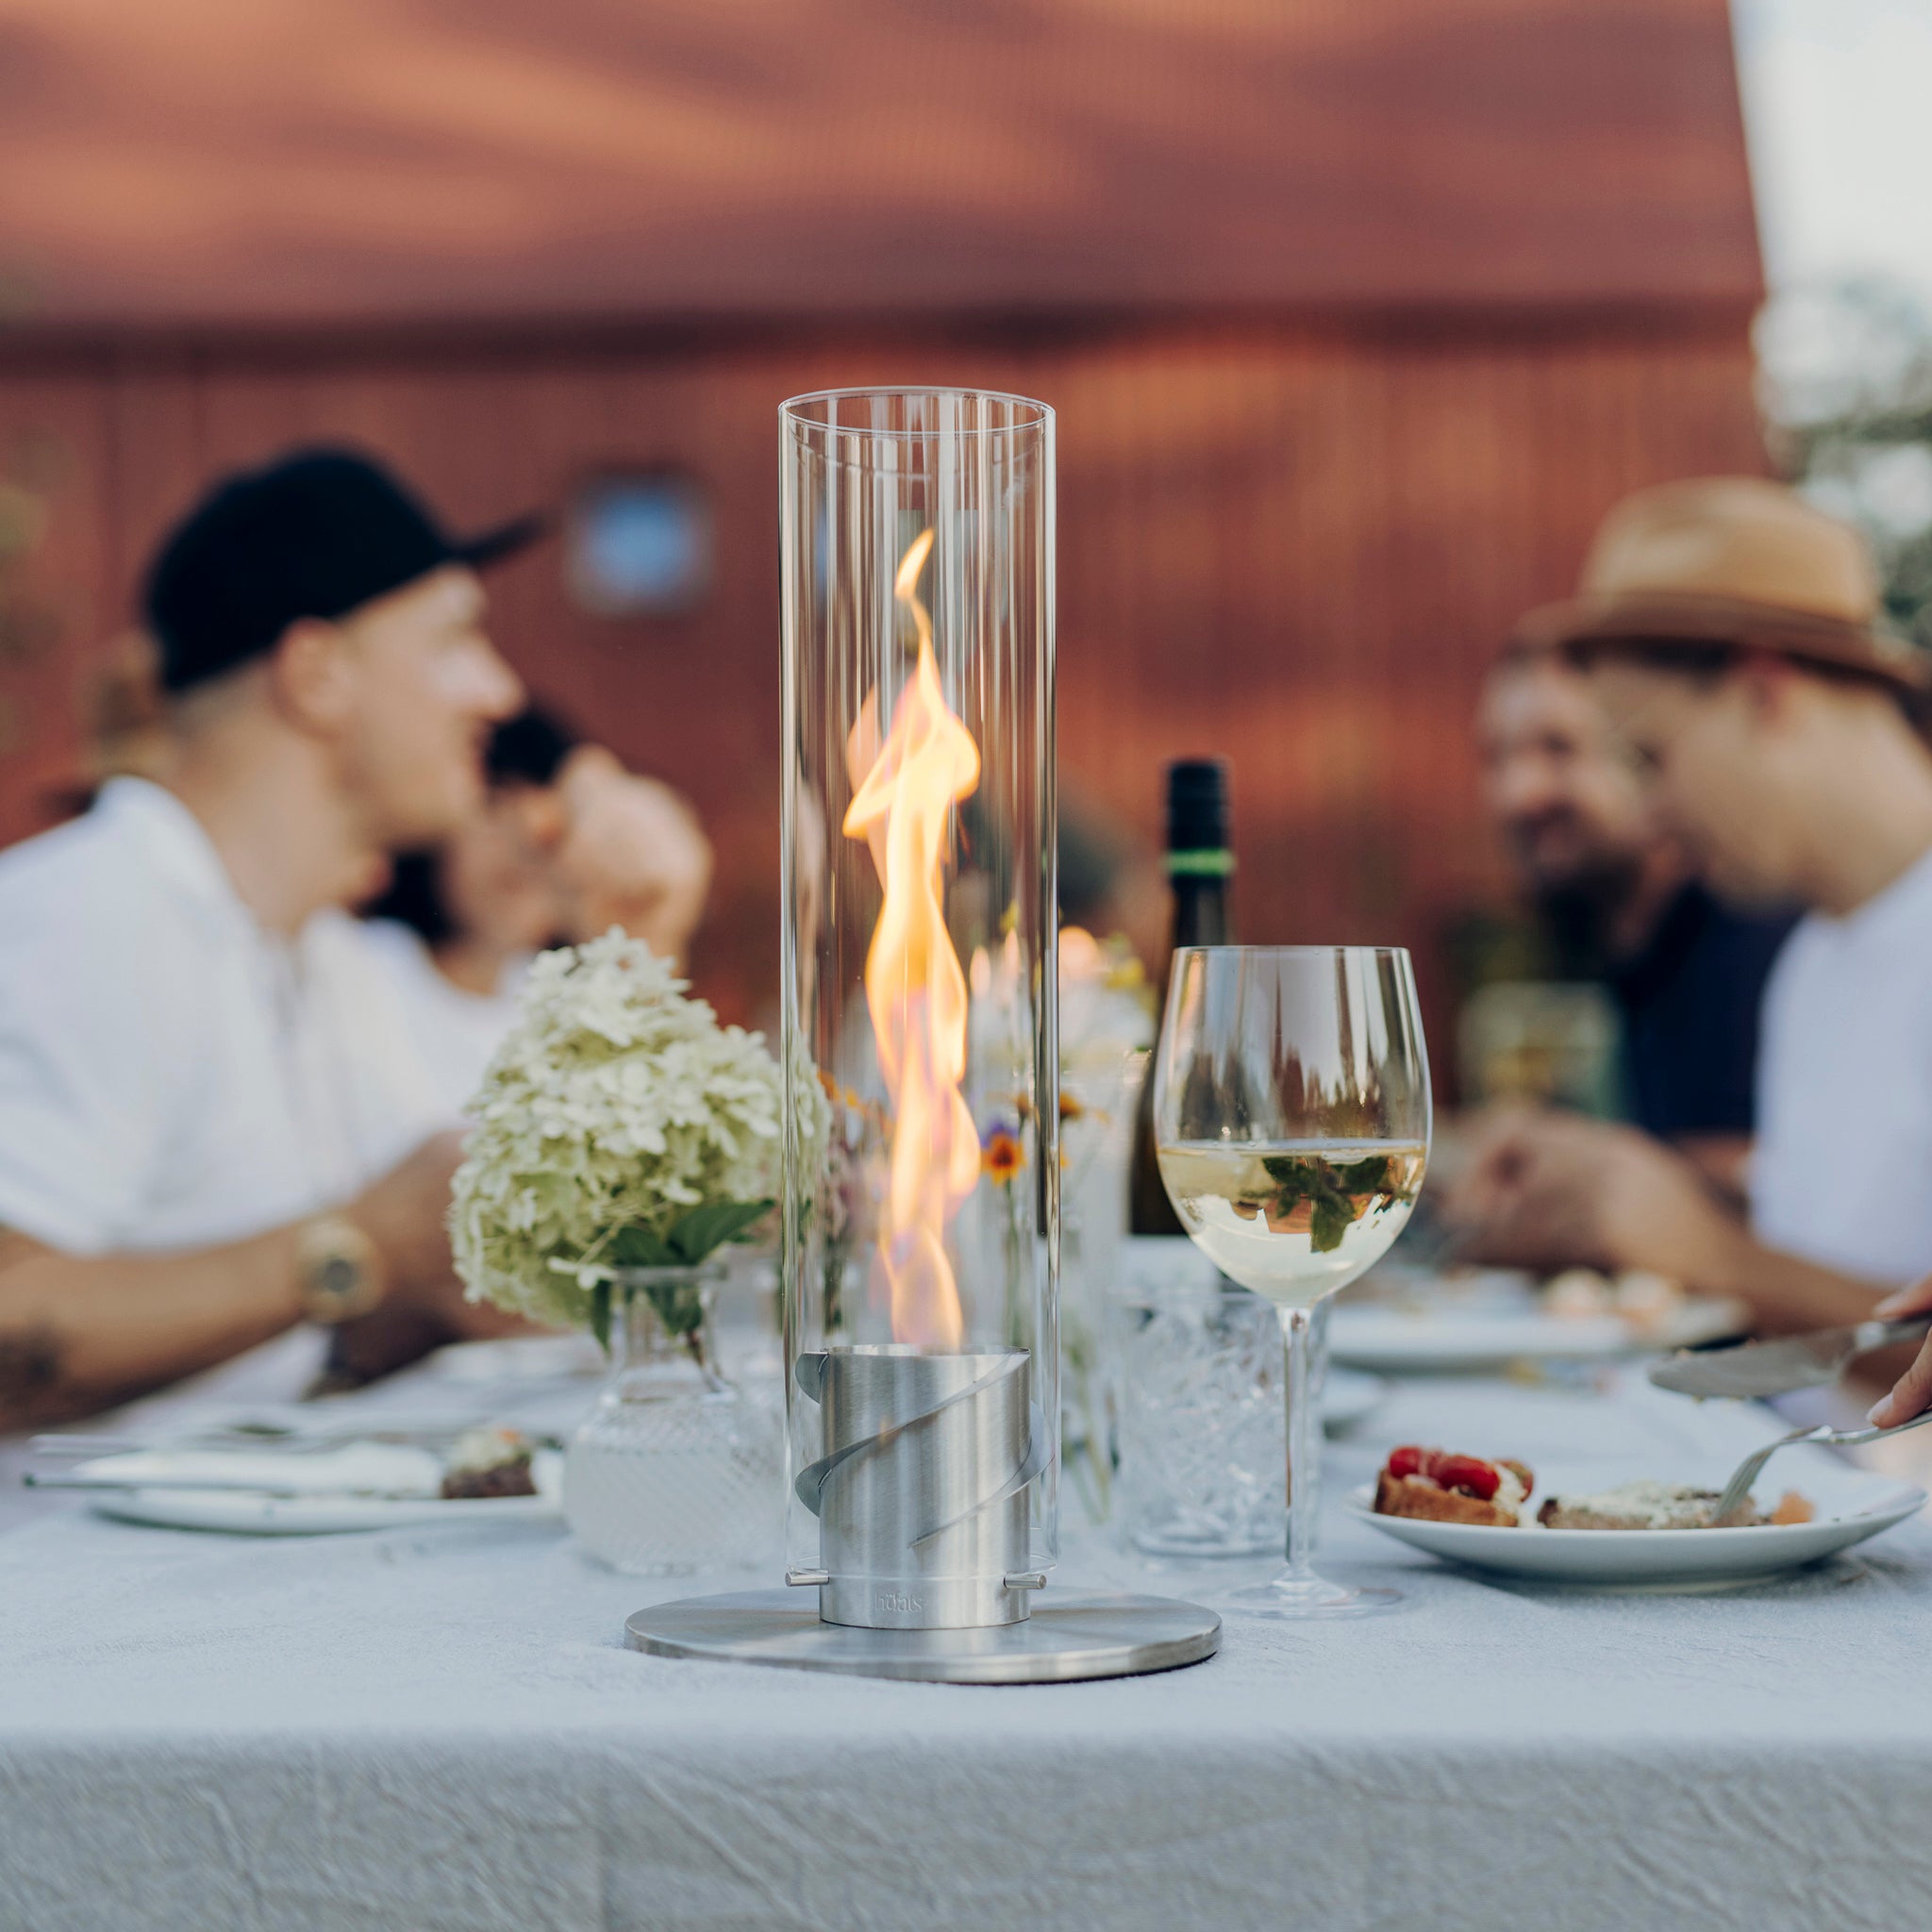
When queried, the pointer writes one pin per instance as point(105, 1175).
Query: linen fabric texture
point(438, 1729)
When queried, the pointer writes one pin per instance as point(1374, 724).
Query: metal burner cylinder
point(921, 1493)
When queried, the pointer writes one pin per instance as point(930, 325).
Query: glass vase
point(676, 1468)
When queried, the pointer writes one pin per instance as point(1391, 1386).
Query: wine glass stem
point(1304, 1445)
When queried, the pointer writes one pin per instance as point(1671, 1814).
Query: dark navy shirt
point(1689, 1002)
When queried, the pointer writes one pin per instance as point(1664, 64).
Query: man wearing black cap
point(213, 1122)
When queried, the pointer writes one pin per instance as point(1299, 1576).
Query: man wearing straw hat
point(1620, 904)
point(1733, 637)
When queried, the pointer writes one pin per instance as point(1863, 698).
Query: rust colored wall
point(1293, 545)
point(345, 161)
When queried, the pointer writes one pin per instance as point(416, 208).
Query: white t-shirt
point(173, 1075)
point(1841, 1171)
point(455, 1031)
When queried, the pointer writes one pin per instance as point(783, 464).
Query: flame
point(914, 986)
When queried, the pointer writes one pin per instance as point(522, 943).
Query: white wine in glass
point(1293, 1220)
point(1291, 1122)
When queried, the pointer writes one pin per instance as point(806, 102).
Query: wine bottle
point(1199, 862)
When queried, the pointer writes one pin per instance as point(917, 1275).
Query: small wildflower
point(1001, 1156)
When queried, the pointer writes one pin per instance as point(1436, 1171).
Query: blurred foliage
point(1846, 387)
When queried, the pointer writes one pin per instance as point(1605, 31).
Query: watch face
point(337, 1277)
point(339, 1270)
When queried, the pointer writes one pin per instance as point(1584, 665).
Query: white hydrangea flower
point(615, 1102)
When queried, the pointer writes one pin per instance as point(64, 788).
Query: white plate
point(520, 1358)
point(1451, 1340)
point(1349, 1397)
point(247, 1512)
point(1853, 1507)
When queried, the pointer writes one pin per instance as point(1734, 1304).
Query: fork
point(1746, 1471)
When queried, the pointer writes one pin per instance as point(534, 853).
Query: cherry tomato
point(1468, 1474)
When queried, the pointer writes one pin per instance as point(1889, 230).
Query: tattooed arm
point(81, 1333)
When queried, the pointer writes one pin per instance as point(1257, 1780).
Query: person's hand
point(631, 853)
point(1912, 1393)
point(1552, 1191)
point(404, 1215)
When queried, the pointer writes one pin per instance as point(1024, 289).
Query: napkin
point(356, 1467)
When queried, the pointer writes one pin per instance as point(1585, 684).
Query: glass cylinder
point(921, 1160)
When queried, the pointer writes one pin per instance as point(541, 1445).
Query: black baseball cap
point(316, 533)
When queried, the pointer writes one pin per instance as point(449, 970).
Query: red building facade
point(1356, 316)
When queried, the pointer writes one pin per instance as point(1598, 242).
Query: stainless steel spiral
point(921, 1488)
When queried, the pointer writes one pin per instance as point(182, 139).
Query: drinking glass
point(1291, 1125)
point(1198, 1379)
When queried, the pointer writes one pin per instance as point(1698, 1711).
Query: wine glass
point(1291, 1125)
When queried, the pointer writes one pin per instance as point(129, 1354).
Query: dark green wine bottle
point(1200, 862)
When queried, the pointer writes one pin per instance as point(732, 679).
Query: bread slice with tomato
point(1442, 1486)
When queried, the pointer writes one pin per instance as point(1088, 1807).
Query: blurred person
point(567, 844)
point(128, 734)
point(212, 1122)
point(1732, 635)
point(1109, 881)
point(1618, 900)
point(123, 724)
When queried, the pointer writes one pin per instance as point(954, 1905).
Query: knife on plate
point(273, 1491)
point(1748, 1369)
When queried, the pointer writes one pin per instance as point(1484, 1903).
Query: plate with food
point(1642, 1532)
point(1418, 1323)
point(487, 1475)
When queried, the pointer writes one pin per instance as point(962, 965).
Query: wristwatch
point(338, 1269)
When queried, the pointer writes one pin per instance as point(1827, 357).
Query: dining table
point(439, 1728)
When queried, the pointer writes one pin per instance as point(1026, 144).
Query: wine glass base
point(1304, 1600)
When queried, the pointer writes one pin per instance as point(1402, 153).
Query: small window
point(638, 546)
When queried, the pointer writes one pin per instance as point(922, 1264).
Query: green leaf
point(600, 1315)
point(637, 1247)
point(1289, 1196)
point(1369, 1175)
point(1331, 1219)
point(680, 1305)
point(695, 1235)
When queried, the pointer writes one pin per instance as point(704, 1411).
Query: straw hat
point(1730, 560)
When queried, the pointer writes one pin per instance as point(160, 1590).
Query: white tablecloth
point(438, 1729)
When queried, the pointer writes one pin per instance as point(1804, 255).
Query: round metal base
point(1064, 1640)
